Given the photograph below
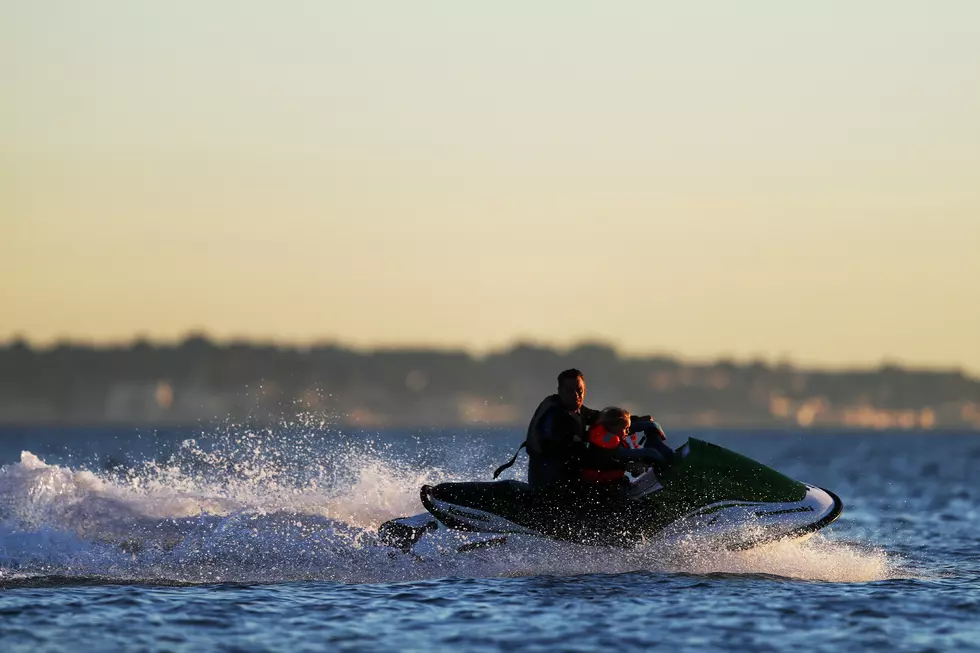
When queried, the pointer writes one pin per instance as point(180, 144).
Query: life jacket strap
point(508, 464)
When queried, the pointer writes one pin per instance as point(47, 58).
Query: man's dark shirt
point(556, 443)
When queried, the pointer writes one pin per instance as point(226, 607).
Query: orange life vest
point(600, 437)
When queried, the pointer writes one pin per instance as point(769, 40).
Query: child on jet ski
point(611, 431)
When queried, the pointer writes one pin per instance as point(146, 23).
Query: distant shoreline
point(198, 382)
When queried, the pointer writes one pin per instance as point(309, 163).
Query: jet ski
point(699, 490)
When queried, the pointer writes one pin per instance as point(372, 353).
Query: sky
point(785, 181)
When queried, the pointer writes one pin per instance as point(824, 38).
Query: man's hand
point(656, 433)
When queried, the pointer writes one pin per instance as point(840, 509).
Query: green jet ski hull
point(706, 491)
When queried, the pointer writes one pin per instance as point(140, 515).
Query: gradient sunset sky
point(761, 178)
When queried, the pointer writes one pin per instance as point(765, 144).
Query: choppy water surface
point(236, 539)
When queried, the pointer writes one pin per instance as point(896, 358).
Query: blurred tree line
point(200, 380)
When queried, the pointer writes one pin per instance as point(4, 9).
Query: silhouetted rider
point(556, 437)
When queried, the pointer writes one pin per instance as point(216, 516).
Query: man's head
point(571, 388)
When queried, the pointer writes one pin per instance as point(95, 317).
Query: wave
point(256, 509)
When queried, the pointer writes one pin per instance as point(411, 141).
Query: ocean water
point(239, 539)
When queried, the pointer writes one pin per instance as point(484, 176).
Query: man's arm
point(599, 458)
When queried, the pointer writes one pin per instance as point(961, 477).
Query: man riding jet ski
point(579, 489)
point(558, 443)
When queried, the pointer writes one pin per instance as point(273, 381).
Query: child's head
point(615, 420)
